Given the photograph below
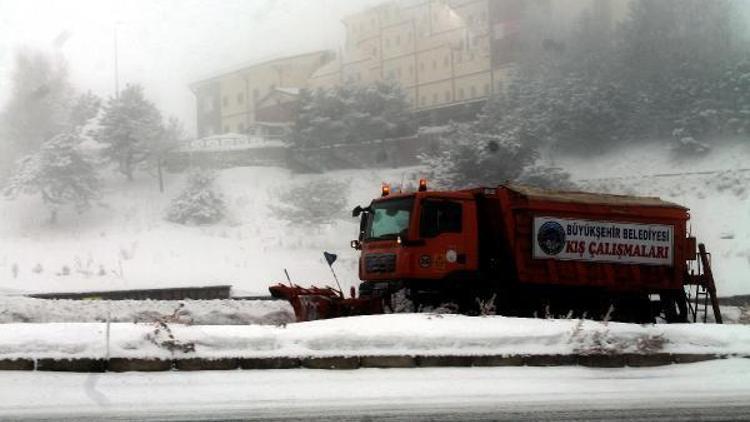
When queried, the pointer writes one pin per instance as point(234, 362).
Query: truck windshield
point(389, 219)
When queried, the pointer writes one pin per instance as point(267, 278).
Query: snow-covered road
point(357, 395)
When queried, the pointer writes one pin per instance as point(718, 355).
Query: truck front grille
point(380, 263)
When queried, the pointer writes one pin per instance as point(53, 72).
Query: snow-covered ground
point(198, 312)
point(380, 335)
point(703, 391)
point(125, 243)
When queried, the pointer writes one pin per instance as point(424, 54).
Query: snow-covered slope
point(127, 244)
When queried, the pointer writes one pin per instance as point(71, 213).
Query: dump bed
point(617, 242)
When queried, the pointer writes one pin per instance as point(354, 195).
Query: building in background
point(450, 55)
point(229, 102)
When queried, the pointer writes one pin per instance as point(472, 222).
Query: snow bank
point(200, 312)
point(382, 335)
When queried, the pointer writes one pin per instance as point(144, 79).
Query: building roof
point(257, 63)
point(330, 68)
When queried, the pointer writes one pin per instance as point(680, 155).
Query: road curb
point(139, 365)
point(388, 362)
point(198, 364)
point(355, 362)
point(17, 364)
point(71, 365)
point(270, 363)
point(335, 362)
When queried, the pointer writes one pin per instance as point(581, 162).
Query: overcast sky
point(165, 44)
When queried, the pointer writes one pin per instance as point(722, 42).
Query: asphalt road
point(724, 410)
point(709, 391)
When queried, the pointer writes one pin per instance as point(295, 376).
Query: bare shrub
point(162, 335)
point(314, 203)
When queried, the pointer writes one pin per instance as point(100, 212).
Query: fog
point(166, 44)
point(115, 174)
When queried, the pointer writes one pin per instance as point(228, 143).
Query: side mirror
point(356, 245)
point(357, 211)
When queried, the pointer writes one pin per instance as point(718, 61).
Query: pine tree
point(37, 108)
point(351, 114)
point(84, 108)
point(130, 128)
point(60, 173)
point(199, 203)
point(469, 158)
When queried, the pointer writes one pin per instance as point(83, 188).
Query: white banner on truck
point(603, 241)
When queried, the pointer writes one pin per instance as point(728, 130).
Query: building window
point(423, 100)
point(411, 70)
point(241, 128)
point(240, 98)
point(447, 96)
point(434, 98)
point(473, 91)
point(398, 72)
point(225, 101)
point(421, 66)
point(486, 89)
point(461, 94)
point(446, 61)
point(434, 64)
point(226, 129)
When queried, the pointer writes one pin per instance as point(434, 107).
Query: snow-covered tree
point(60, 172)
point(351, 114)
point(315, 203)
point(129, 128)
point(84, 108)
point(199, 203)
point(469, 158)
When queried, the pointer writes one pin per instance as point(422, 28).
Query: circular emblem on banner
point(425, 261)
point(551, 238)
point(451, 256)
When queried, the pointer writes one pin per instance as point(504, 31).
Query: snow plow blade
point(323, 303)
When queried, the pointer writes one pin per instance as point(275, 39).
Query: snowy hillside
point(125, 242)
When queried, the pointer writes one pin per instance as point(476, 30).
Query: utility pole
point(117, 64)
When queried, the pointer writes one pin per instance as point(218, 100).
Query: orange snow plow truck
point(522, 251)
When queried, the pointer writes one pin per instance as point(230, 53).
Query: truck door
point(447, 226)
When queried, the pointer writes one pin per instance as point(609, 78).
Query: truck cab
point(420, 238)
